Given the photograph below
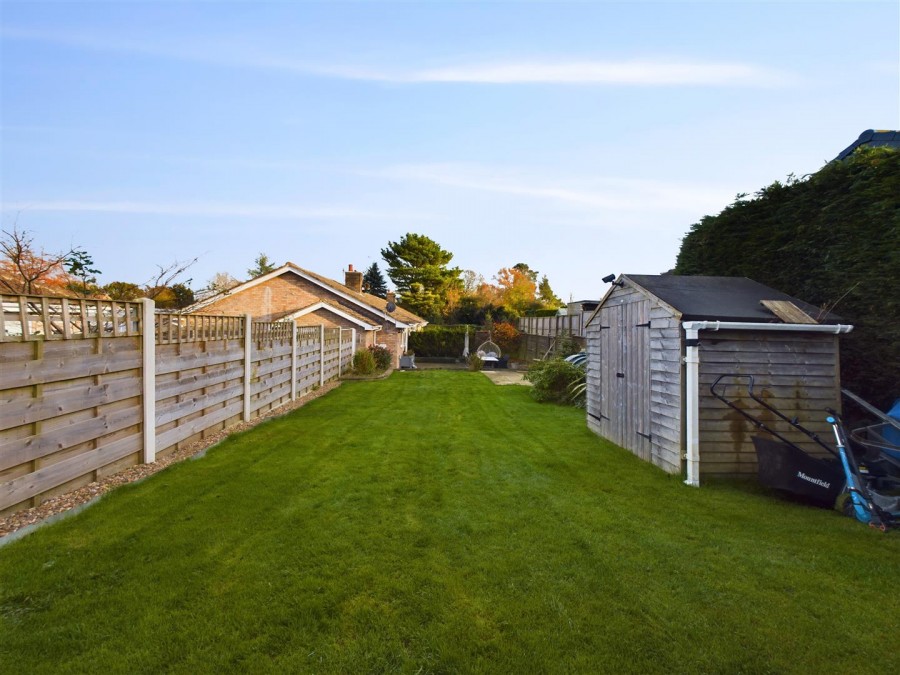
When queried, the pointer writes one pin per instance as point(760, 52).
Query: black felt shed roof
point(720, 298)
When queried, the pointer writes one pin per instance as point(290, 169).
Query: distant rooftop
point(873, 139)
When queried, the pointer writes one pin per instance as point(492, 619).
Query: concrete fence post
point(248, 364)
point(148, 377)
point(340, 350)
point(322, 355)
point(294, 342)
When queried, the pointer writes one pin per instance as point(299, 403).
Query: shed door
point(625, 379)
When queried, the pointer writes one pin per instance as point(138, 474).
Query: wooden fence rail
point(86, 391)
point(552, 326)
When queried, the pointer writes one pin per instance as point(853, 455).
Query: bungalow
point(291, 293)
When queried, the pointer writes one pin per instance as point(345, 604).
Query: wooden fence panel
point(72, 385)
point(271, 355)
point(70, 409)
point(195, 382)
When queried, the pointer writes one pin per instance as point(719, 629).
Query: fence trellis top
point(38, 317)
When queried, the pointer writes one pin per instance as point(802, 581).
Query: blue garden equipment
point(869, 499)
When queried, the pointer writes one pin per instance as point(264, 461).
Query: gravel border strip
point(70, 500)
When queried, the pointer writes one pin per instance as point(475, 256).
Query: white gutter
point(692, 376)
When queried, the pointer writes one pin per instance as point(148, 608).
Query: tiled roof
point(873, 139)
point(374, 301)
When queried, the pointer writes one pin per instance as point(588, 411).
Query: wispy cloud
point(591, 193)
point(628, 72)
point(208, 209)
point(673, 71)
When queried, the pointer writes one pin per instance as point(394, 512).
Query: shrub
point(507, 337)
point(553, 379)
point(363, 362)
point(382, 357)
point(475, 362)
point(566, 345)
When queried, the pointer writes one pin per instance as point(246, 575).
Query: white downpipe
point(692, 406)
point(692, 377)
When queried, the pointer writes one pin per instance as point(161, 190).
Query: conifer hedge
point(440, 341)
point(831, 239)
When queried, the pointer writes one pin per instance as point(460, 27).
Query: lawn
point(435, 522)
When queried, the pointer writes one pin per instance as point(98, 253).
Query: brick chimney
point(390, 296)
point(353, 280)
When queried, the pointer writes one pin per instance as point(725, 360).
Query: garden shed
point(656, 343)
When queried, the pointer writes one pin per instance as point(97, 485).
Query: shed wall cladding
point(633, 377)
point(797, 373)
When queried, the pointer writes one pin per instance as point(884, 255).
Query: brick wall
point(290, 292)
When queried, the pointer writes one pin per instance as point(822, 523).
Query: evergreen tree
point(374, 281)
point(418, 267)
point(262, 266)
point(831, 239)
point(81, 266)
point(546, 296)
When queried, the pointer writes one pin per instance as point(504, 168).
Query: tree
point(176, 296)
point(374, 281)
point(262, 266)
point(527, 271)
point(122, 291)
point(471, 281)
point(184, 296)
point(25, 268)
point(546, 296)
point(81, 266)
point(221, 282)
point(418, 267)
point(157, 285)
point(517, 289)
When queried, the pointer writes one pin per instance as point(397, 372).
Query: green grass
point(434, 522)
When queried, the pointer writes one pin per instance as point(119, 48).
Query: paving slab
point(504, 377)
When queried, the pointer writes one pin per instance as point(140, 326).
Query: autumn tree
point(262, 265)
point(526, 270)
point(176, 296)
point(123, 291)
point(516, 289)
point(374, 281)
point(418, 267)
point(27, 269)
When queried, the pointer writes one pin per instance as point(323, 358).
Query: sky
point(580, 138)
